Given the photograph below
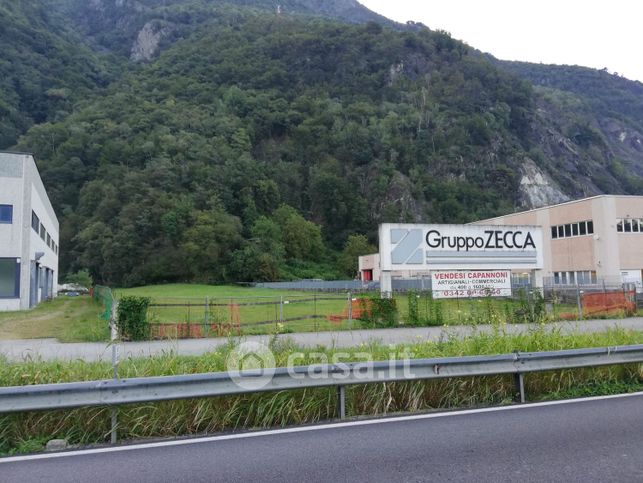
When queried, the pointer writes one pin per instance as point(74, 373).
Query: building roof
point(556, 205)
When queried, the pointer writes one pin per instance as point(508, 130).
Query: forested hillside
point(44, 68)
point(614, 102)
point(252, 144)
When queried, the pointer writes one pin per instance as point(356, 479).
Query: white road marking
point(303, 429)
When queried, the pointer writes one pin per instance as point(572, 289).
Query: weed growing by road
point(28, 431)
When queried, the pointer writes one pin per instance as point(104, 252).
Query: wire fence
point(594, 300)
point(182, 317)
point(220, 316)
point(104, 295)
point(195, 317)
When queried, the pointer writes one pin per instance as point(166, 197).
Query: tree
point(81, 277)
point(356, 246)
point(302, 239)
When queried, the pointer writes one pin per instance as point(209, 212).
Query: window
point(6, 214)
point(567, 230)
point(43, 232)
point(9, 278)
point(48, 240)
point(35, 222)
point(629, 225)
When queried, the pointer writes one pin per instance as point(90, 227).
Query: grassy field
point(29, 431)
point(256, 311)
point(68, 319)
point(259, 311)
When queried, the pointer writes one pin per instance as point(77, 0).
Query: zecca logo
point(407, 246)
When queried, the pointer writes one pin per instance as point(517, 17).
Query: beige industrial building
point(589, 240)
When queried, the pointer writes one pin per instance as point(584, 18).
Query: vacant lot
point(259, 311)
point(68, 319)
point(255, 310)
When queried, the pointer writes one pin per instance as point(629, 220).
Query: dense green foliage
point(254, 145)
point(44, 68)
point(131, 317)
point(356, 246)
point(81, 277)
point(609, 94)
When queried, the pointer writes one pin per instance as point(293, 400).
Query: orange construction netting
point(613, 302)
point(358, 308)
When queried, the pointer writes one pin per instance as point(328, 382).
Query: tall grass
point(29, 431)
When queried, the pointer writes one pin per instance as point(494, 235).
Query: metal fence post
point(114, 342)
point(578, 300)
point(281, 309)
point(350, 310)
point(205, 318)
point(341, 402)
point(519, 386)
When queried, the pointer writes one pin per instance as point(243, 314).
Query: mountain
point(139, 28)
point(613, 103)
point(44, 68)
point(235, 141)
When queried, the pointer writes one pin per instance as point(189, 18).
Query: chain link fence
point(192, 317)
point(104, 295)
point(222, 316)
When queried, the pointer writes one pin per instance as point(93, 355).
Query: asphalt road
point(597, 439)
point(51, 349)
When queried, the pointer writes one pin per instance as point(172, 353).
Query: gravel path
point(51, 349)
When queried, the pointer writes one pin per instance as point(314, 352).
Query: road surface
point(595, 439)
point(51, 349)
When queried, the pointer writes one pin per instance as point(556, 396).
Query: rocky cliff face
point(537, 188)
point(148, 40)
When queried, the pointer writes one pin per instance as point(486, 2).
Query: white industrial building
point(28, 235)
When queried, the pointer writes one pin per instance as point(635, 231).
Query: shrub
point(131, 318)
point(382, 312)
point(413, 317)
point(82, 278)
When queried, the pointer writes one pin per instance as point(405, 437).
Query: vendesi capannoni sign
point(448, 247)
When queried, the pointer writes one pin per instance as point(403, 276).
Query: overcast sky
point(591, 33)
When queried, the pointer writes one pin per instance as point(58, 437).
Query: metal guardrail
point(163, 388)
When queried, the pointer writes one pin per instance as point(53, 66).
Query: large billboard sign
point(465, 247)
point(471, 283)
